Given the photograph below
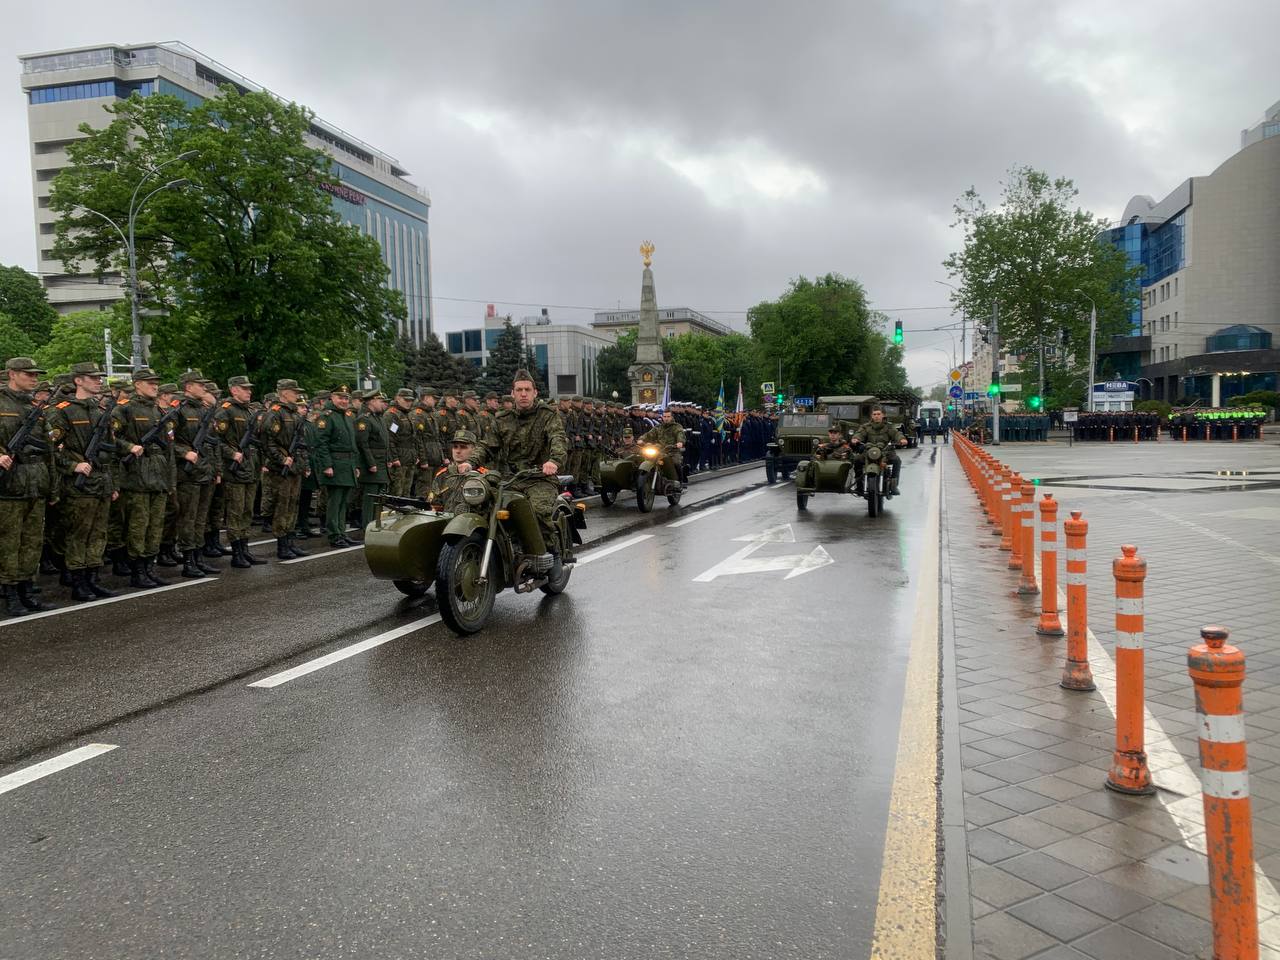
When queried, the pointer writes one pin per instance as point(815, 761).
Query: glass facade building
point(373, 194)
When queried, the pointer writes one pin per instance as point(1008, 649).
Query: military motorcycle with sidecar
point(649, 473)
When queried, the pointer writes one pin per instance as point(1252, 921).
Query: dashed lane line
point(337, 656)
point(18, 621)
point(696, 517)
point(594, 555)
point(747, 496)
point(317, 556)
point(20, 778)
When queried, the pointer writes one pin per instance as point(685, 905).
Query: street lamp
point(135, 206)
point(1093, 343)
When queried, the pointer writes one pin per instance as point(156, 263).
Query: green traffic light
point(1033, 402)
point(897, 331)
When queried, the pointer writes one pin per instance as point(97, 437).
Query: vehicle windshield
point(818, 421)
point(845, 411)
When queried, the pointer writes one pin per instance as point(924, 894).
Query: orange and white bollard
point(1218, 671)
point(1076, 674)
point(1235, 433)
point(1003, 486)
point(1049, 625)
point(1129, 772)
point(1027, 506)
point(1135, 434)
point(1015, 522)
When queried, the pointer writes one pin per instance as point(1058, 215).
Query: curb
point(957, 904)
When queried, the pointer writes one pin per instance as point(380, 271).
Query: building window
point(473, 340)
point(455, 342)
point(1175, 319)
point(1175, 286)
point(566, 383)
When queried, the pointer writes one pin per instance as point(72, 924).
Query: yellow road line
point(906, 911)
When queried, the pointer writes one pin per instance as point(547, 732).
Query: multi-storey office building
point(671, 323)
point(66, 88)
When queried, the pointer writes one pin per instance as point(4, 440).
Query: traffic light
point(993, 390)
point(780, 398)
point(1034, 402)
point(897, 332)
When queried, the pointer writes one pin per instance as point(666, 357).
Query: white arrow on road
point(743, 562)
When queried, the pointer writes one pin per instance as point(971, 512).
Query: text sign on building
point(1113, 386)
point(343, 192)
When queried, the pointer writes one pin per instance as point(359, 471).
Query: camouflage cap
point(286, 385)
point(239, 382)
point(627, 433)
point(374, 395)
point(145, 373)
point(464, 436)
point(271, 398)
point(508, 398)
point(167, 388)
point(44, 386)
point(427, 392)
point(23, 365)
point(190, 376)
point(86, 369)
point(491, 395)
point(576, 398)
point(468, 394)
point(61, 380)
point(522, 374)
point(404, 393)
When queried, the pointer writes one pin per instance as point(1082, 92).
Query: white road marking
point(779, 534)
point(317, 556)
point(20, 778)
point(613, 548)
point(748, 496)
point(742, 562)
point(696, 517)
point(311, 666)
point(18, 621)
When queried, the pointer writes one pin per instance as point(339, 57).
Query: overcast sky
point(752, 142)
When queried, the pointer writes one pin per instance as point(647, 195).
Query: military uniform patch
point(275, 427)
point(320, 423)
point(360, 426)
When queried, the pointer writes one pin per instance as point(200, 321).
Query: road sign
point(956, 392)
point(973, 394)
point(742, 561)
point(956, 376)
point(802, 401)
point(767, 387)
point(1070, 416)
point(1010, 388)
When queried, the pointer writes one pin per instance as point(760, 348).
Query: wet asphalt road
point(675, 758)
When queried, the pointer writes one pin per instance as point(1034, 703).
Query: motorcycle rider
point(446, 486)
point(669, 435)
point(836, 446)
point(878, 432)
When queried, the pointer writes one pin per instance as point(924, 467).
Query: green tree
point(14, 341)
point(1039, 258)
point(23, 300)
point(431, 365)
point(823, 333)
point(893, 374)
point(77, 337)
point(700, 363)
point(506, 357)
point(612, 363)
point(249, 265)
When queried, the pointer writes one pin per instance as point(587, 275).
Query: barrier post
point(1027, 583)
point(1076, 674)
point(1002, 503)
point(1111, 434)
point(1129, 772)
point(1235, 432)
point(1015, 522)
point(1218, 671)
point(1049, 625)
point(1184, 434)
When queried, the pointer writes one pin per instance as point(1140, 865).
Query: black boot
point(295, 551)
point(149, 573)
point(212, 546)
point(190, 568)
point(168, 556)
point(64, 578)
point(12, 605)
point(98, 590)
point(282, 549)
point(244, 552)
point(120, 565)
point(238, 559)
point(80, 586)
point(206, 565)
point(29, 599)
point(48, 561)
point(137, 573)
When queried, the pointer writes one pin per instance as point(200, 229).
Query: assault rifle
point(22, 438)
point(245, 442)
point(202, 436)
point(151, 435)
point(297, 443)
point(94, 446)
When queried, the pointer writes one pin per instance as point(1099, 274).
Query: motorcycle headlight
point(650, 452)
point(474, 492)
point(874, 453)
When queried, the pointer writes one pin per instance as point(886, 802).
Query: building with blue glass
point(66, 88)
point(1210, 287)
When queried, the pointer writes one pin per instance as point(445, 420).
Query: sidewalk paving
point(1059, 867)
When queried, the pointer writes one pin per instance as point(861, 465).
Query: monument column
point(649, 373)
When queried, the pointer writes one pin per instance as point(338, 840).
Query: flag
point(666, 392)
point(741, 407)
point(720, 409)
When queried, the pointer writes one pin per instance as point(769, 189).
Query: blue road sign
point(956, 391)
point(803, 401)
point(972, 395)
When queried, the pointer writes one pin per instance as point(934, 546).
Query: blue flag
point(666, 392)
point(720, 409)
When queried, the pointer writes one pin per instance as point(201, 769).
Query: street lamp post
point(1093, 344)
point(135, 207)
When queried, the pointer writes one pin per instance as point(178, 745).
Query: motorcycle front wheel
point(558, 579)
point(644, 491)
point(875, 499)
point(465, 603)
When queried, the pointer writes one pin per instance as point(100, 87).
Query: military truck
point(799, 432)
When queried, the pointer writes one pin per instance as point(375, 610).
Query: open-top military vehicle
point(472, 554)
point(650, 473)
point(799, 433)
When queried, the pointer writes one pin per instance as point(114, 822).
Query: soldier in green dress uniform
point(334, 461)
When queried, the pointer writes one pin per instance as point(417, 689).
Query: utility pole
point(1093, 344)
point(964, 372)
point(995, 373)
point(106, 336)
point(1041, 393)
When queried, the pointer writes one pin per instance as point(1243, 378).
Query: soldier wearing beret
point(25, 471)
point(373, 442)
point(334, 460)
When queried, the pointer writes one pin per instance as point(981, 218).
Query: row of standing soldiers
point(1116, 425)
point(1218, 423)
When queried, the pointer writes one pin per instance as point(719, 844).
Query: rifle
point(202, 436)
point(94, 446)
point(22, 438)
point(299, 432)
point(245, 441)
point(150, 435)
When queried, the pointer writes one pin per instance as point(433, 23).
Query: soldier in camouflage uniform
point(446, 416)
point(237, 425)
point(194, 455)
point(835, 447)
point(445, 492)
point(284, 448)
point(25, 470)
point(86, 488)
point(146, 474)
point(426, 433)
point(878, 432)
point(402, 443)
point(373, 443)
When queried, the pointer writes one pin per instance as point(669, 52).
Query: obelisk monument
point(649, 373)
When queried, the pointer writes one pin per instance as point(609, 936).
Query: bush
point(1257, 398)
point(1154, 406)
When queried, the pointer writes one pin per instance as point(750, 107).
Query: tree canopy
point(23, 301)
point(78, 336)
point(1038, 256)
point(248, 267)
point(433, 365)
